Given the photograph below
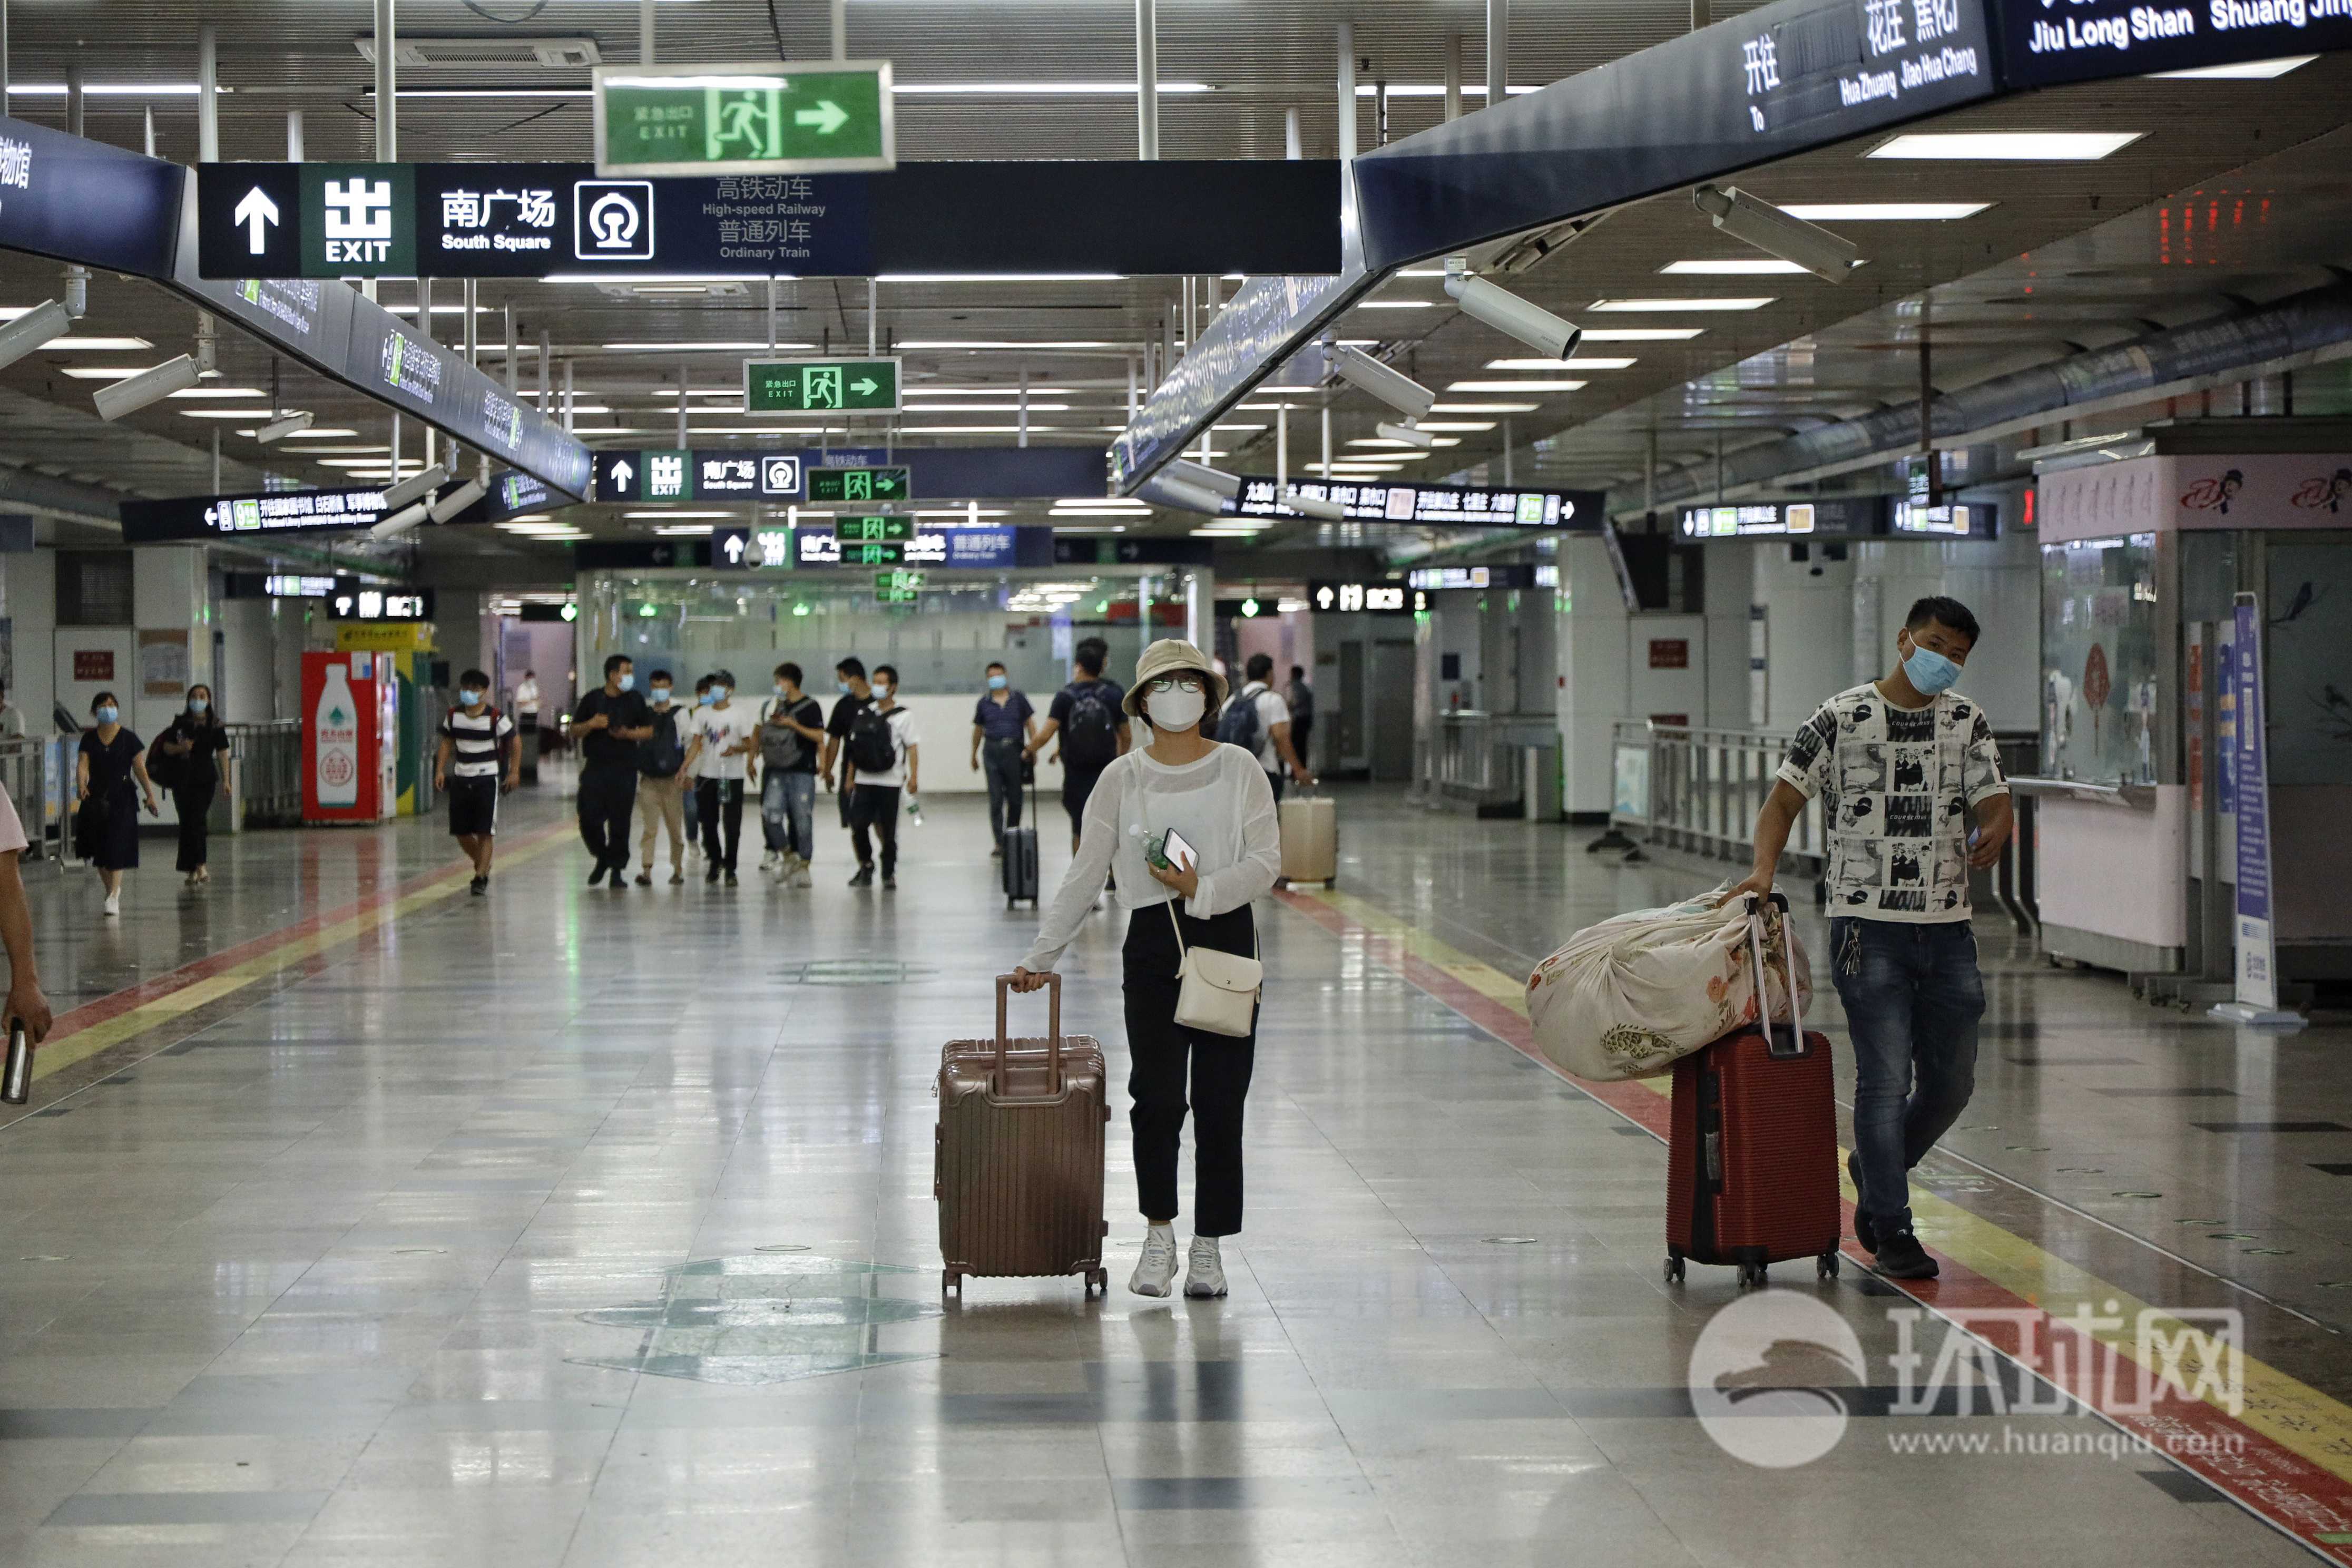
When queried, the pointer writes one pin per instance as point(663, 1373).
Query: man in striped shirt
point(473, 738)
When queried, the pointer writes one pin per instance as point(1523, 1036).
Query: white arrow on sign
point(866, 386)
point(827, 116)
point(734, 550)
point(621, 472)
point(257, 212)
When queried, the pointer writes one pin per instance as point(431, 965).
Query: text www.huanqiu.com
point(2070, 1442)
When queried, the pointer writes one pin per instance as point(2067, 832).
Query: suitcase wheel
point(1098, 1283)
point(949, 1280)
point(1827, 1264)
point(1753, 1276)
point(1674, 1267)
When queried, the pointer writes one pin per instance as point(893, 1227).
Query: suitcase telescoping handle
point(1772, 1044)
point(1052, 1032)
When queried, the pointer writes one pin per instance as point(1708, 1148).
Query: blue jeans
point(1913, 998)
point(788, 812)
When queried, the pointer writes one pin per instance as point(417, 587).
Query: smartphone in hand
point(1174, 851)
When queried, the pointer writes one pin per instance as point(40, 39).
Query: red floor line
point(117, 1003)
point(2311, 1506)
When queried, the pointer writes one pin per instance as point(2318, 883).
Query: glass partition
point(2100, 622)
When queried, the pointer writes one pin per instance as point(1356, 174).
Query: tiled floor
point(571, 1226)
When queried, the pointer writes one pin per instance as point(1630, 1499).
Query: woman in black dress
point(196, 748)
point(111, 771)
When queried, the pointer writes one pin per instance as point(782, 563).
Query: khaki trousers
point(661, 802)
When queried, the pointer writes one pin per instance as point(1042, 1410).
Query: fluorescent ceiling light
point(1483, 408)
point(1396, 304)
point(2007, 146)
point(985, 391)
point(1640, 334)
point(221, 392)
point(1467, 424)
point(1599, 362)
point(685, 531)
point(105, 372)
point(1738, 266)
point(410, 309)
point(1014, 407)
point(1515, 385)
point(972, 429)
point(315, 434)
point(1001, 278)
point(94, 345)
point(1036, 89)
point(111, 88)
point(674, 513)
point(226, 412)
point(2244, 70)
point(1434, 89)
point(760, 346)
point(355, 462)
point(1224, 534)
point(671, 393)
point(1884, 212)
point(978, 343)
point(1720, 302)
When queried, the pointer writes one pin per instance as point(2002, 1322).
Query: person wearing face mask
point(661, 790)
point(1002, 724)
point(882, 766)
point(474, 737)
point(792, 728)
point(1899, 763)
point(718, 759)
point(610, 720)
point(111, 774)
point(1183, 789)
point(194, 747)
point(849, 679)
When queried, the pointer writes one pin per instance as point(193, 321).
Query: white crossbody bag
point(1217, 991)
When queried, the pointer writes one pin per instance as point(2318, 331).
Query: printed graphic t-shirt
point(1893, 785)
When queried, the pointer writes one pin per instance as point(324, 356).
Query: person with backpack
point(1086, 714)
point(792, 727)
point(474, 737)
point(882, 766)
point(661, 782)
point(190, 761)
point(1001, 723)
point(717, 758)
point(1258, 721)
point(849, 679)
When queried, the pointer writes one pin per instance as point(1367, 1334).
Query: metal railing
point(265, 777)
point(38, 772)
point(1479, 757)
point(1698, 790)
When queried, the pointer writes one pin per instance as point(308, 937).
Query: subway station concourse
point(474, 1107)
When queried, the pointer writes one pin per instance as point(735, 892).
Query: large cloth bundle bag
point(1627, 997)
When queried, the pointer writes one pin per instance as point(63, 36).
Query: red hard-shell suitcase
point(1751, 1171)
point(1018, 1167)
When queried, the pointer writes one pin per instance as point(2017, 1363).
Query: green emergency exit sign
point(821, 385)
point(895, 483)
point(827, 116)
point(900, 587)
point(872, 552)
point(858, 529)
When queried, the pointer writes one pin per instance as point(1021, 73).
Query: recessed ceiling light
point(1036, 89)
point(1718, 303)
point(977, 344)
point(747, 346)
point(2244, 70)
point(1884, 212)
point(1483, 408)
point(111, 88)
point(317, 433)
point(1514, 385)
point(1735, 267)
point(1014, 407)
point(913, 391)
point(1001, 278)
point(1598, 362)
point(220, 392)
point(1466, 425)
point(1640, 334)
point(2007, 146)
point(226, 412)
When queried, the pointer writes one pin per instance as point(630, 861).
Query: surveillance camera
point(285, 425)
point(1406, 434)
point(134, 393)
point(1775, 233)
point(1203, 475)
point(28, 331)
point(1391, 386)
point(458, 499)
point(401, 522)
point(1161, 489)
point(414, 487)
point(1512, 316)
point(1314, 506)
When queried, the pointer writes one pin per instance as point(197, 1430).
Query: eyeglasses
point(1169, 683)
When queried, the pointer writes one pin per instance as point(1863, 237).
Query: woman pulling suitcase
point(1185, 821)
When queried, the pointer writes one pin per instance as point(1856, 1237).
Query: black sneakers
point(1863, 1231)
point(731, 878)
point(1900, 1256)
point(890, 882)
point(596, 878)
point(480, 886)
point(864, 877)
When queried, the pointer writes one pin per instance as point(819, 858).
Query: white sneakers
point(800, 875)
point(1204, 1276)
point(1155, 1272)
point(114, 907)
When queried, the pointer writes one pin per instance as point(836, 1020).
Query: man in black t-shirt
point(856, 695)
point(609, 721)
point(1088, 716)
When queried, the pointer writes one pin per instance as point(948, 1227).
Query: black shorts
point(473, 807)
point(1076, 788)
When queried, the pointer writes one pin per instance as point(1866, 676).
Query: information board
point(1440, 506)
point(83, 201)
point(268, 512)
point(894, 483)
point(1832, 516)
point(2081, 40)
point(862, 530)
point(822, 386)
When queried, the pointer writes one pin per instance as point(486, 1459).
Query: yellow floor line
point(2284, 1409)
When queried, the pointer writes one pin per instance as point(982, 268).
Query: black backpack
point(873, 748)
point(660, 754)
point(1090, 739)
point(1238, 725)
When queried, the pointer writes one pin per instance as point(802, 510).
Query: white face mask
point(1176, 710)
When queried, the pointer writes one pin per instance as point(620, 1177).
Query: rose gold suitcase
point(1018, 1167)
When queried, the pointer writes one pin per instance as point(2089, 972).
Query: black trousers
point(718, 810)
point(608, 797)
point(1302, 732)
point(1000, 765)
point(876, 807)
point(194, 803)
point(1165, 1056)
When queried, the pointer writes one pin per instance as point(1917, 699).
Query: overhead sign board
point(898, 587)
point(355, 601)
point(2078, 40)
point(83, 201)
point(969, 549)
point(864, 529)
point(1953, 520)
point(771, 118)
point(821, 385)
point(1442, 506)
point(270, 512)
point(895, 483)
point(1832, 516)
point(1434, 579)
point(669, 475)
point(1366, 598)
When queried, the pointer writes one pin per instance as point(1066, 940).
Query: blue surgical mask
point(996, 683)
point(626, 681)
point(719, 694)
point(661, 693)
point(842, 686)
point(1929, 671)
point(468, 699)
point(704, 699)
point(109, 714)
point(197, 704)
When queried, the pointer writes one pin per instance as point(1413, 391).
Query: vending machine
point(350, 737)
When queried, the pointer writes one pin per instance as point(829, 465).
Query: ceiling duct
point(2250, 342)
point(568, 53)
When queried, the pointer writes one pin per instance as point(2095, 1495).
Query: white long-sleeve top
point(1222, 807)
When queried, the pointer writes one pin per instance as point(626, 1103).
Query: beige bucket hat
point(1161, 658)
